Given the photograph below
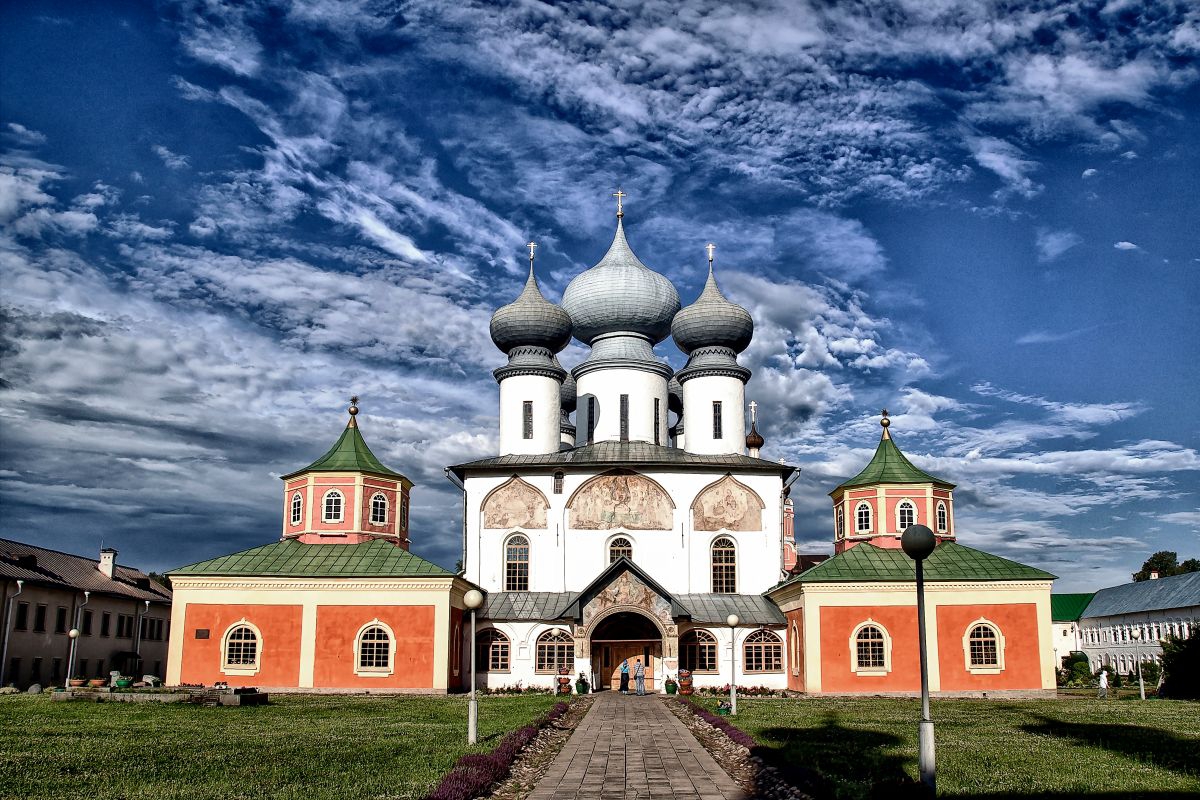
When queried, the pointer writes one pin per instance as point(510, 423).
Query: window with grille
point(241, 647)
point(374, 648)
point(718, 433)
point(379, 509)
point(516, 564)
point(724, 566)
point(624, 418)
point(870, 648)
point(862, 517)
point(698, 651)
point(527, 407)
point(657, 420)
point(620, 548)
point(558, 482)
point(941, 516)
point(839, 522)
point(333, 506)
point(555, 650)
point(762, 652)
point(404, 514)
point(491, 651)
point(591, 429)
point(906, 515)
point(297, 508)
point(984, 646)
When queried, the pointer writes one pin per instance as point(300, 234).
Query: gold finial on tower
point(353, 411)
point(884, 423)
point(620, 196)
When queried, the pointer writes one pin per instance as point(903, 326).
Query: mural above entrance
point(621, 500)
point(515, 504)
point(628, 591)
point(727, 505)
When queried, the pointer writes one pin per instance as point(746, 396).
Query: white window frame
point(839, 521)
point(259, 648)
point(905, 502)
point(371, 508)
point(887, 650)
point(794, 650)
point(942, 516)
point(296, 515)
point(341, 517)
point(712, 563)
point(375, 672)
point(609, 547)
point(988, 669)
point(858, 529)
point(528, 561)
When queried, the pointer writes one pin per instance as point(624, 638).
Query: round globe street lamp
point(73, 634)
point(473, 599)
point(732, 620)
point(1136, 634)
point(918, 542)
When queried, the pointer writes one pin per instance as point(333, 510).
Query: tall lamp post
point(732, 620)
point(1136, 634)
point(74, 634)
point(918, 542)
point(473, 599)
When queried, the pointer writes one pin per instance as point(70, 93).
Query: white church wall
point(699, 394)
point(607, 386)
point(543, 392)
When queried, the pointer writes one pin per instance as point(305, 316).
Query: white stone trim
point(375, 672)
point(966, 643)
point(887, 650)
point(259, 649)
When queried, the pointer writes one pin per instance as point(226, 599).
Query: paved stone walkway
point(632, 748)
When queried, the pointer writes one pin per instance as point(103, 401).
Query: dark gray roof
point(525, 605)
point(1178, 591)
point(614, 454)
point(712, 321)
point(714, 609)
point(27, 562)
point(531, 320)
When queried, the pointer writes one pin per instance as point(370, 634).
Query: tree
point(1191, 565)
point(1181, 667)
point(1166, 563)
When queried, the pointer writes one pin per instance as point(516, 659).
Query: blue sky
point(217, 221)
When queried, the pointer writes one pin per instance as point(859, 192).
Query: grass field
point(858, 748)
point(310, 747)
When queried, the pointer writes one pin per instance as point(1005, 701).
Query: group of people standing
point(639, 676)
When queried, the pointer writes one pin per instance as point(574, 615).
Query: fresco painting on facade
point(727, 505)
point(622, 500)
point(515, 504)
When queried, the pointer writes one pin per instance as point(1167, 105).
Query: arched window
point(555, 650)
point(698, 651)
point(240, 649)
point(297, 508)
point(724, 566)
point(983, 646)
point(558, 482)
point(942, 520)
point(870, 649)
point(333, 506)
point(620, 547)
point(379, 509)
point(762, 652)
point(794, 651)
point(491, 651)
point(373, 649)
point(516, 564)
point(862, 517)
point(839, 522)
point(906, 515)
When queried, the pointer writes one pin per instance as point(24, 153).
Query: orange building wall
point(837, 623)
point(413, 627)
point(317, 504)
point(1018, 624)
point(795, 645)
point(279, 650)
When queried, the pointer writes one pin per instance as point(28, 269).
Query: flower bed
point(475, 773)
point(735, 734)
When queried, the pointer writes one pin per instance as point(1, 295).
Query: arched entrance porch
point(625, 635)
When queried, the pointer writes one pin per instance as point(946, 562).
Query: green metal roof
point(349, 454)
point(288, 558)
point(950, 561)
point(889, 465)
point(1069, 607)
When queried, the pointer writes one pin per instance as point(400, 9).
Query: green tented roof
point(889, 465)
point(291, 558)
point(349, 454)
point(950, 561)
point(1069, 607)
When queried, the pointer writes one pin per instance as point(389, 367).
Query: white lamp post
point(74, 636)
point(473, 599)
point(1136, 634)
point(732, 620)
point(918, 542)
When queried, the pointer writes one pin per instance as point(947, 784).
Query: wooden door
point(615, 652)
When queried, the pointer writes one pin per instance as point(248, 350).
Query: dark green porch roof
point(950, 561)
point(889, 465)
point(349, 454)
point(291, 558)
point(1069, 607)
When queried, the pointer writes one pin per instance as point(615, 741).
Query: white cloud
point(1089, 173)
point(170, 159)
point(1007, 161)
point(21, 136)
point(1125, 246)
point(1052, 244)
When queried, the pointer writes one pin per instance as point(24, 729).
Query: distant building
point(123, 617)
point(1065, 610)
point(1125, 622)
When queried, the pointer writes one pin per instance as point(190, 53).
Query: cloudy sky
point(217, 221)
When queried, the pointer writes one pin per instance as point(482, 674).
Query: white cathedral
point(628, 514)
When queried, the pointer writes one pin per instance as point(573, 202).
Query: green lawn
point(309, 747)
point(857, 748)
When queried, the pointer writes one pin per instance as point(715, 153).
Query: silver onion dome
point(531, 321)
point(712, 321)
point(620, 295)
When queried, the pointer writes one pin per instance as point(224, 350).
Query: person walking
point(639, 677)
point(625, 676)
point(1103, 691)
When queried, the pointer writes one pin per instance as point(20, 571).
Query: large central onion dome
point(712, 321)
point(531, 321)
point(620, 295)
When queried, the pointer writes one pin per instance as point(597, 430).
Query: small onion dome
point(754, 439)
point(620, 295)
point(675, 396)
point(531, 321)
point(712, 321)
point(566, 393)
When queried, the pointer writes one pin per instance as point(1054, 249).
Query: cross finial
point(532, 246)
point(620, 196)
point(753, 412)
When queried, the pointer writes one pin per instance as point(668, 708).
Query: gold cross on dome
point(620, 196)
point(710, 247)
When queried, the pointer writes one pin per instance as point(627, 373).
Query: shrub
point(734, 733)
point(1181, 667)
